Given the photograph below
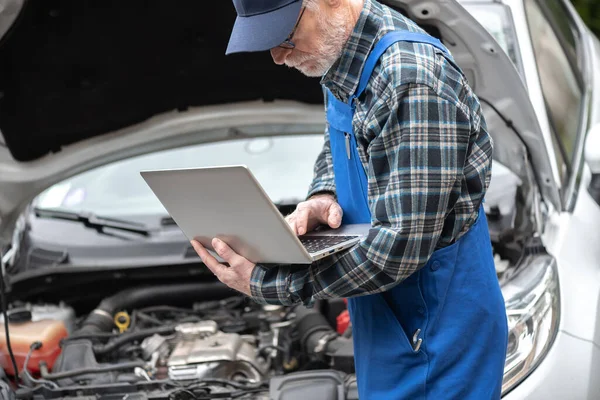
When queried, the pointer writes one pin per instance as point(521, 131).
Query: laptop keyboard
point(317, 243)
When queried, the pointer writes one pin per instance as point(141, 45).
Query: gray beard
point(334, 34)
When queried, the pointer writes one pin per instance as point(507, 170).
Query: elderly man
point(406, 150)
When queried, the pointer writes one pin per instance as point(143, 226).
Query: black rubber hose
point(6, 329)
point(97, 335)
point(312, 326)
point(101, 319)
point(97, 370)
point(226, 382)
point(130, 337)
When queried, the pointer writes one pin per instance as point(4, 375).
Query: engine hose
point(97, 370)
point(101, 319)
point(130, 337)
point(312, 327)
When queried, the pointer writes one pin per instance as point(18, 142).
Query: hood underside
point(72, 71)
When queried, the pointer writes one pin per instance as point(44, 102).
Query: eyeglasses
point(287, 43)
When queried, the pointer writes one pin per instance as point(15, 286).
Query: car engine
point(204, 351)
point(138, 344)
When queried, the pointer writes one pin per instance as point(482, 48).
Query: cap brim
point(265, 31)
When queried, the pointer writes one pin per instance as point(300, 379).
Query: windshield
point(282, 164)
point(497, 20)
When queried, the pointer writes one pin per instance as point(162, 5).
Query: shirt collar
point(343, 77)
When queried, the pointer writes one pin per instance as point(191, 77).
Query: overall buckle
point(416, 341)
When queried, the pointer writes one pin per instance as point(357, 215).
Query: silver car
point(91, 93)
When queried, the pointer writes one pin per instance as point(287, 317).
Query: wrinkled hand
point(236, 275)
point(320, 209)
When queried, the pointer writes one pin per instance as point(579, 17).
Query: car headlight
point(532, 306)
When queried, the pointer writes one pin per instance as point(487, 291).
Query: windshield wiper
point(93, 221)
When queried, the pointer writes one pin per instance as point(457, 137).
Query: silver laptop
point(229, 203)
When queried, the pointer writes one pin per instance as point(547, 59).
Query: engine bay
point(194, 340)
point(102, 335)
point(206, 343)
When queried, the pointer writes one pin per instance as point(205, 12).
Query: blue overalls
point(441, 333)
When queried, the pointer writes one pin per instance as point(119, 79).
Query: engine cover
point(202, 351)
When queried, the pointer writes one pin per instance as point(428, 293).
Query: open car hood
point(84, 83)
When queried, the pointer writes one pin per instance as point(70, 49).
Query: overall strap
point(339, 114)
point(382, 45)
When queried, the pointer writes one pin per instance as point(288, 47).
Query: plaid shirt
point(424, 145)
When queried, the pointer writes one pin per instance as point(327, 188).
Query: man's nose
point(279, 54)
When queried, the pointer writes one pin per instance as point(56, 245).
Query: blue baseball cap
point(262, 24)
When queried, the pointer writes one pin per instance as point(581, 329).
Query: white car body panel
point(571, 368)
point(576, 246)
point(569, 371)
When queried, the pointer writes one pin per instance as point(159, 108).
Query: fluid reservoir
point(23, 332)
point(39, 312)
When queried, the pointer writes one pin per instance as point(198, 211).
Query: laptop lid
point(228, 203)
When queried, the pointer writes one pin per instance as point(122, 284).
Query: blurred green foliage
point(590, 12)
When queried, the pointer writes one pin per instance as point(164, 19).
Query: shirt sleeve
point(415, 169)
point(323, 178)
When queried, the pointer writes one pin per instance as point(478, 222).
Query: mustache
point(298, 59)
